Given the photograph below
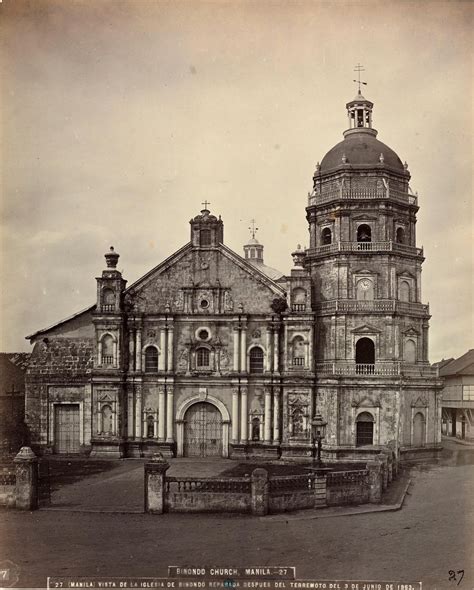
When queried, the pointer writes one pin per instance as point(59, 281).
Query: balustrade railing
point(8, 478)
point(298, 361)
point(298, 307)
point(361, 193)
point(380, 246)
point(378, 369)
point(108, 307)
point(346, 477)
point(235, 485)
point(373, 305)
point(107, 359)
point(291, 483)
point(351, 368)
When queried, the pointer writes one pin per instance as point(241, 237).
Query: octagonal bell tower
point(374, 386)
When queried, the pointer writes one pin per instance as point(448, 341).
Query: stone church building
point(216, 354)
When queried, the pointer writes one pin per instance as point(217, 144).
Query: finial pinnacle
point(206, 203)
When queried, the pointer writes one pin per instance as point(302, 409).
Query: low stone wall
point(7, 486)
point(348, 487)
point(260, 494)
point(291, 492)
point(188, 494)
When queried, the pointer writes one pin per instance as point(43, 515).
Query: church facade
point(216, 354)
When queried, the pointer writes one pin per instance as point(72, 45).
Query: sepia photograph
point(236, 342)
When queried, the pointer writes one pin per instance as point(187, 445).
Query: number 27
point(453, 574)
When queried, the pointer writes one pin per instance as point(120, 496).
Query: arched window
point(364, 429)
point(365, 356)
point(107, 350)
point(365, 290)
point(150, 427)
point(256, 428)
point(107, 420)
point(409, 351)
point(256, 360)
point(404, 291)
point(151, 359)
point(364, 233)
point(108, 300)
point(298, 297)
point(419, 430)
point(326, 236)
point(202, 357)
point(205, 237)
point(400, 235)
point(298, 351)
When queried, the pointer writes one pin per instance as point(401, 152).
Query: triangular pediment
point(365, 402)
point(366, 329)
point(364, 217)
point(206, 280)
point(364, 271)
point(411, 331)
point(421, 402)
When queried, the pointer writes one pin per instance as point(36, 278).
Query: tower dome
point(360, 147)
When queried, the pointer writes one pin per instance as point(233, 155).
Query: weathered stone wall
point(332, 280)
point(54, 363)
point(203, 271)
point(338, 336)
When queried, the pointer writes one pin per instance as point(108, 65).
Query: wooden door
point(202, 431)
point(66, 429)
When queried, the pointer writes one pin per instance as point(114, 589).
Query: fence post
point(375, 481)
point(259, 482)
point(26, 487)
point(155, 480)
point(320, 489)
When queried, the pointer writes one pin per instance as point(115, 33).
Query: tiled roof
point(464, 365)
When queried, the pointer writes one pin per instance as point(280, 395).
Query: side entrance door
point(66, 428)
point(202, 431)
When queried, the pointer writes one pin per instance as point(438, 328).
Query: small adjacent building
point(458, 395)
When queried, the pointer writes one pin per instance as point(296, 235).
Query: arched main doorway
point(202, 431)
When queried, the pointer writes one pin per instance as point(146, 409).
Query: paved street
point(431, 535)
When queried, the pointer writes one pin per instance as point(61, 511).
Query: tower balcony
point(366, 248)
point(378, 369)
point(354, 194)
point(383, 306)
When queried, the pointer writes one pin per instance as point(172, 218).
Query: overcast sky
point(121, 117)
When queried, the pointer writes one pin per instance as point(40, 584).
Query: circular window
point(203, 334)
point(204, 303)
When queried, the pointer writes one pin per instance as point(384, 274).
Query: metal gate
point(202, 431)
point(66, 428)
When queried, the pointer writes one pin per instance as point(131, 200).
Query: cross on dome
point(359, 69)
point(253, 229)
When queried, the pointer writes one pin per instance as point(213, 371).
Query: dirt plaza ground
point(430, 536)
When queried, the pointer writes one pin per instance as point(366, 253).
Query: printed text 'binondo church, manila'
point(212, 353)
